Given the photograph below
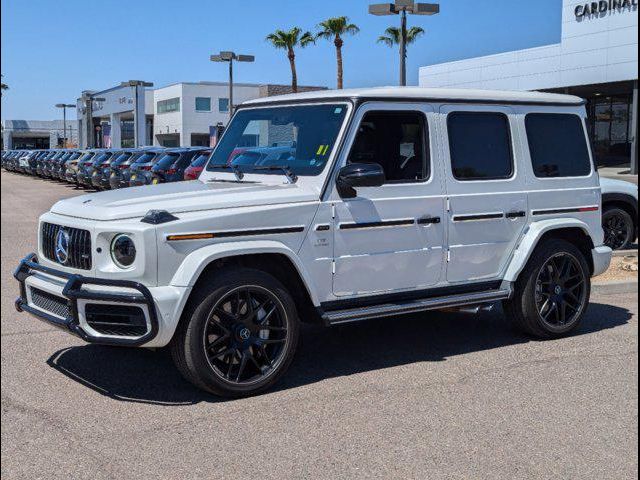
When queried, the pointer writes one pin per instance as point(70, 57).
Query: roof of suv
point(422, 93)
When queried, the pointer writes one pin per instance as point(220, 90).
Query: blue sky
point(52, 49)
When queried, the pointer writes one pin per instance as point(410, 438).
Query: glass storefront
point(611, 129)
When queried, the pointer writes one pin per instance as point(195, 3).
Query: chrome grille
point(50, 303)
point(79, 248)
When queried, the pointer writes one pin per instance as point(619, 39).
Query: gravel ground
point(423, 396)
point(622, 269)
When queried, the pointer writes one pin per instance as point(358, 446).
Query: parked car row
point(105, 169)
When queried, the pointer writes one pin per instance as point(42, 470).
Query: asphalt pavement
point(422, 396)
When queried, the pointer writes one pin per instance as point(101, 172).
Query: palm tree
point(3, 86)
point(392, 36)
point(289, 41)
point(334, 29)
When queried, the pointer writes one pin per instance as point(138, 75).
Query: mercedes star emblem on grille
point(62, 246)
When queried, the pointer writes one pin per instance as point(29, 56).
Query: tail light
point(172, 171)
point(146, 167)
point(121, 167)
point(89, 164)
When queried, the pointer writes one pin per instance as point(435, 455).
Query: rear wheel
point(619, 229)
point(552, 293)
point(239, 335)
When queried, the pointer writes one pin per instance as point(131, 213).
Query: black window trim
point(512, 173)
point(427, 157)
point(593, 168)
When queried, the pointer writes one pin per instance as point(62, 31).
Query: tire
point(619, 228)
point(538, 290)
point(227, 349)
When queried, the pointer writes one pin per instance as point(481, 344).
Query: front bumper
point(79, 292)
point(601, 259)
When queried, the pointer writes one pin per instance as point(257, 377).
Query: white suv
point(388, 201)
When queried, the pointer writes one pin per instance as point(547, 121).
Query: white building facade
point(184, 113)
point(597, 59)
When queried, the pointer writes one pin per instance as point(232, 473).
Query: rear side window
point(558, 145)
point(480, 145)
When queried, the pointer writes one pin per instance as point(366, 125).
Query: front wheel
point(552, 293)
point(238, 335)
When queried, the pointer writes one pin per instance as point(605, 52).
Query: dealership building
point(596, 59)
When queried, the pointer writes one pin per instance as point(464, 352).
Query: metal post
point(634, 130)
point(230, 88)
point(403, 48)
point(64, 127)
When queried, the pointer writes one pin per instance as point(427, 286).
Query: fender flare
point(531, 238)
point(194, 264)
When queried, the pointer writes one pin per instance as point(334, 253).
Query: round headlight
point(123, 250)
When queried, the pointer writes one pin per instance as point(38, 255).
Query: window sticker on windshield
point(337, 111)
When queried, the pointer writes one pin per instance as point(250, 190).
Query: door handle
point(428, 220)
point(518, 214)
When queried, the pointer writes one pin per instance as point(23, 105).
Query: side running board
point(338, 317)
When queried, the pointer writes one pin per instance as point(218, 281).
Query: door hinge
point(333, 267)
point(448, 256)
point(448, 204)
point(333, 211)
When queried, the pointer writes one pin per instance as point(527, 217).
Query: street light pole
point(64, 107)
point(230, 57)
point(402, 7)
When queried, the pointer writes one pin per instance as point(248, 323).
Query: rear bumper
point(601, 259)
point(68, 299)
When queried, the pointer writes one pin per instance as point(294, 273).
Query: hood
point(180, 197)
point(610, 185)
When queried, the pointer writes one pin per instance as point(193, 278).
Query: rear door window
point(558, 145)
point(480, 145)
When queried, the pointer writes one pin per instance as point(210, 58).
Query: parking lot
point(422, 396)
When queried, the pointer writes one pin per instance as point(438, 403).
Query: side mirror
point(359, 175)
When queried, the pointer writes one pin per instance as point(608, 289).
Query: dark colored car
point(102, 169)
point(85, 168)
point(72, 166)
point(171, 164)
point(120, 175)
point(120, 160)
point(40, 162)
point(140, 170)
point(50, 161)
point(58, 168)
point(34, 159)
point(194, 170)
point(67, 162)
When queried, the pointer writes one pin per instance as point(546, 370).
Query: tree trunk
point(294, 74)
point(338, 43)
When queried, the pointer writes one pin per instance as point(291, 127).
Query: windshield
point(145, 157)
point(121, 158)
point(102, 157)
point(166, 160)
point(299, 137)
point(74, 156)
point(87, 156)
point(200, 159)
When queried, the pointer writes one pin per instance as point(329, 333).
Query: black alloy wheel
point(246, 335)
point(619, 230)
point(561, 291)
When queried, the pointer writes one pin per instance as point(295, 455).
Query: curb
point(608, 288)
point(626, 253)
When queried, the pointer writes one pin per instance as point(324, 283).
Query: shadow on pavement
point(139, 375)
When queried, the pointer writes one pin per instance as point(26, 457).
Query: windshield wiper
point(236, 170)
point(292, 177)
